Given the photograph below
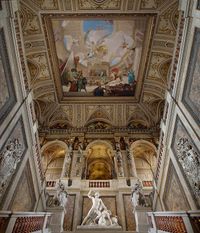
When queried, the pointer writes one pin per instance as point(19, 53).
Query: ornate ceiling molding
point(118, 113)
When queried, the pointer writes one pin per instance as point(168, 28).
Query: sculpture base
point(99, 228)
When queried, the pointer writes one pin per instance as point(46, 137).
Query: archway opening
point(53, 155)
point(99, 163)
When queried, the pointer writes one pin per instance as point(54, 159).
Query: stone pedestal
point(141, 219)
point(99, 228)
point(57, 219)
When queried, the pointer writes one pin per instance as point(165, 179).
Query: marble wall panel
point(128, 209)
point(69, 215)
point(12, 152)
point(7, 92)
point(174, 197)
point(192, 84)
point(188, 158)
point(24, 196)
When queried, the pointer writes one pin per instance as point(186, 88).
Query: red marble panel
point(129, 216)
point(69, 216)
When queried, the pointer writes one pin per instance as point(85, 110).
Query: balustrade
point(23, 222)
point(50, 183)
point(99, 184)
point(174, 222)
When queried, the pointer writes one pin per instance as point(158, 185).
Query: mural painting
point(99, 57)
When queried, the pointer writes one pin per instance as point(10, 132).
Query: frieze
point(149, 4)
point(68, 4)
point(177, 50)
point(101, 131)
point(130, 4)
point(21, 51)
point(45, 4)
point(99, 4)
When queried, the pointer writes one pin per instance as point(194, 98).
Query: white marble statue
point(61, 195)
point(136, 192)
point(104, 218)
point(97, 207)
point(98, 214)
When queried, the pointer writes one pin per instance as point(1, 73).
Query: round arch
point(52, 143)
point(99, 160)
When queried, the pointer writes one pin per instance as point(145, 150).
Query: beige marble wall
point(181, 126)
point(21, 185)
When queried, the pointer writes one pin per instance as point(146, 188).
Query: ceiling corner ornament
point(99, 1)
point(99, 4)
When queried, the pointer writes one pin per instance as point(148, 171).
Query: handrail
point(175, 222)
point(23, 222)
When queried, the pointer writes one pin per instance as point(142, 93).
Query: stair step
point(97, 231)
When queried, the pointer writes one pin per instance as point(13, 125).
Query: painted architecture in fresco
point(90, 64)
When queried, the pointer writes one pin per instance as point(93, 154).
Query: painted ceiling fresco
point(98, 57)
point(58, 39)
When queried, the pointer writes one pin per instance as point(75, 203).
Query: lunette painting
point(99, 57)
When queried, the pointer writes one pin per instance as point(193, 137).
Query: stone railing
point(99, 184)
point(23, 222)
point(50, 183)
point(147, 183)
point(174, 222)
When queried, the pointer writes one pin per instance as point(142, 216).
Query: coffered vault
point(142, 111)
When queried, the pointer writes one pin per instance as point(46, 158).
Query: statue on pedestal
point(137, 197)
point(60, 198)
point(99, 215)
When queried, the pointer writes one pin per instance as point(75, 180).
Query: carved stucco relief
point(11, 154)
point(168, 21)
point(29, 21)
point(46, 4)
point(149, 4)
point(157, 59)
point(38, 67)
point(187, 156)
point(98, 5)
